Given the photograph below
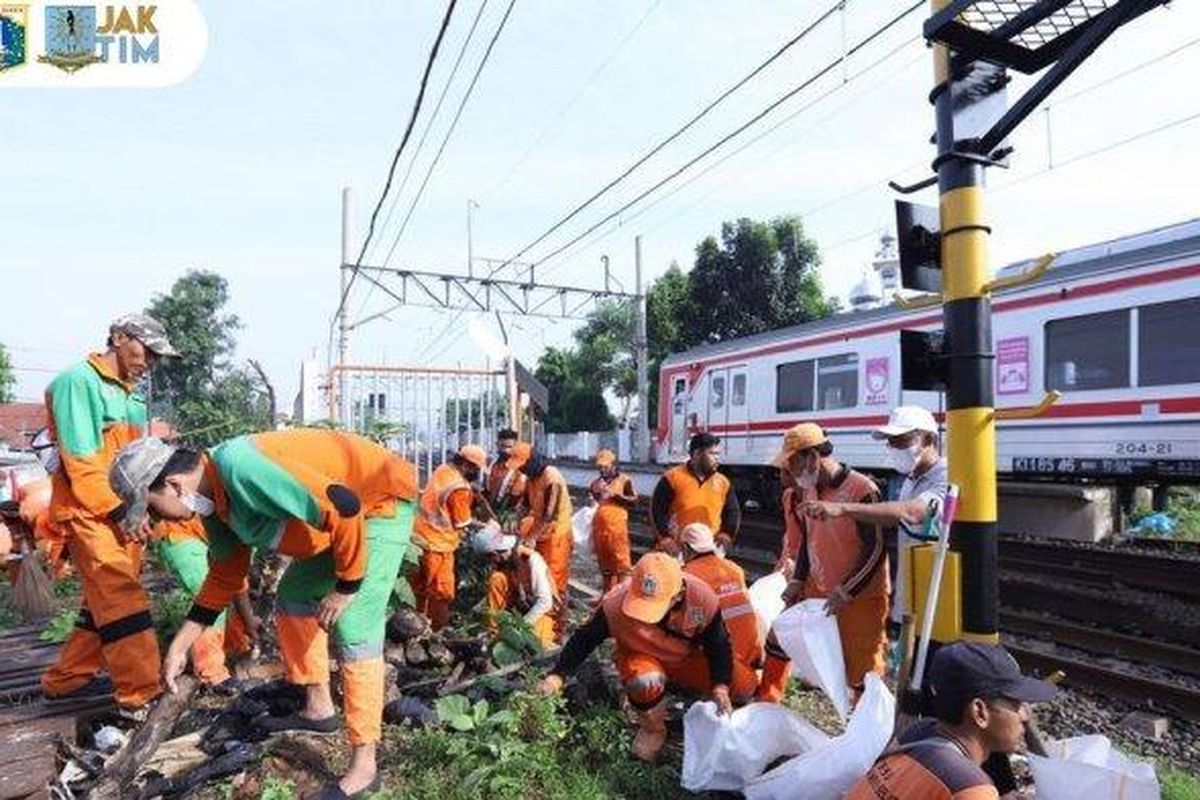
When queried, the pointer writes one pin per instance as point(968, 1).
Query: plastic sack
point(828, 772)
point(724, 753)
point(1089, 766)
point(581, 529)
point(766, 598)
point(810, 638)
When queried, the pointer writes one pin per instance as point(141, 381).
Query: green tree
point(761, 276)
point(206, 397)
point(576, 398)
point(7, 377)
point(667, 303)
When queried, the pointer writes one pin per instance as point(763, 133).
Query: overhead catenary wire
point(624, 221)
point(562, 112)
point(462, 51)
point(740, 129)
point(453, 124)
point(678, 132)
point(412, 119)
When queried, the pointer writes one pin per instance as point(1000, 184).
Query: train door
point(679, 413)
point(737, 432)
point(717, 412)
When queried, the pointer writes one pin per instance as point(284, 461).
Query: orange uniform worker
point(442, 517)
point(520, 581)
point(94, 412)
point(695, 492)
point(505, 485)
point(549, 502)
point(728, 581)
point(981, 705)
point(837, 559)
point(614, 495)
point(667, 627)
point(342, 507)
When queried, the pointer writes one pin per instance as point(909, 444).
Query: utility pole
point(641, 347)
point(470, 241)
point(943, 251)
point(343, 315)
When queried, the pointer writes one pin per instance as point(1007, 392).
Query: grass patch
point(527, 748)
point(1179, 785)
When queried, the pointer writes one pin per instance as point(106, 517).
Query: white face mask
point(806, 480)
point(198, 503)
point(904, 461)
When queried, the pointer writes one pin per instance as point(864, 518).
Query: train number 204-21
point(1143, 448)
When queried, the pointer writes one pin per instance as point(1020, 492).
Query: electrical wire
point(562, 112)
point(678, 132)
point(445, 139)
point(412, 119)
point(740, 129)
point(462, 51)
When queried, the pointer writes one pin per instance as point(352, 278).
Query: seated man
point(667, 627)
point(980, 703)
point(700, 558)
point(520, 581)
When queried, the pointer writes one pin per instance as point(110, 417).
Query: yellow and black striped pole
point(967, 320)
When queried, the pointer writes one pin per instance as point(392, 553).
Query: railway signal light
point(919, 241)
point(922, 361)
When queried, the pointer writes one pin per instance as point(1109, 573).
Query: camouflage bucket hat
point(147, 330)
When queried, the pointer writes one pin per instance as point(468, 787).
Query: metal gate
point(423, 413)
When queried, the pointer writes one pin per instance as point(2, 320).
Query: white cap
point(490, 539)
point(906, 419)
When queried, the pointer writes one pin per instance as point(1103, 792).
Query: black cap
point(963, 671)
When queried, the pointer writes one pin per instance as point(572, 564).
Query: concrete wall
point(1081, 513)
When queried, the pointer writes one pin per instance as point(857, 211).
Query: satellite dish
point(487, 341)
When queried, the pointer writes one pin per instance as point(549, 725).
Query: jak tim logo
point(14, 35)
point(126, 35)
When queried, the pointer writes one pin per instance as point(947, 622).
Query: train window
point(680, 385)
point(794, 387)
point(1169, 343)
point(739, 390)
point(837, 381)
point(718, 392)
point(1088, 352)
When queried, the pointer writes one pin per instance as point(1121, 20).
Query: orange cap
point(605, 458)
point(473, 454)
point(656, 580)
point(799, 437)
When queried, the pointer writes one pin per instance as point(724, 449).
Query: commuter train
point(1114, 327)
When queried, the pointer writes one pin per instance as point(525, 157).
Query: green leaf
point(505, 654)
point(480, 712)
point(452, 706)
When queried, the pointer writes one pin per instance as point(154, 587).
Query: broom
point(32, 593)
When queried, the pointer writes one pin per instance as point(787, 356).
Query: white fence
point(585, 444)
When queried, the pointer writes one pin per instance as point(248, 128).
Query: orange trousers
point(645, 677)
point(555, 547)
point(114, 631)
point(433, 584)
point(502, 595)
point(862, 625)
point(611, 543)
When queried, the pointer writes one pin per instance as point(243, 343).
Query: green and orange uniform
point(93, 414)
point(342, 507)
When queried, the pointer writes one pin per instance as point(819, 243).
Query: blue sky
point(108, 195)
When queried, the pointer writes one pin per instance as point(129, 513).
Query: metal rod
point(641, 344)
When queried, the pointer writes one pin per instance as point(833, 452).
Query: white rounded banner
point(54, 44)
